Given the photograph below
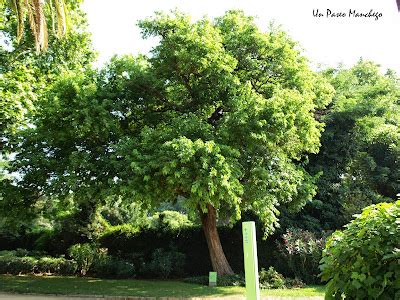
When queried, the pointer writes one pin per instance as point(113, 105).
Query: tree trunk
point(218, 260)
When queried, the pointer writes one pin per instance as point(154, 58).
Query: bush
point(84, 255)
point(302, 251)
point(363, 261)
point(55, 265)
point(294, 283)
point(165, 263)
point(231, 280)
point(110, 267)
point(271, 279)
point(17, 265)
point(10, 263)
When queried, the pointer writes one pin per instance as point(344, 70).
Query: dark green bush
point(363, 261)
point(294, 283)
point(84, 255)
point(301, 250)
point(231, 280)
point(110, 267)
point(165, 263)
point(271, 279)
point(56, 265)
point(12, 264)
point(17, 265)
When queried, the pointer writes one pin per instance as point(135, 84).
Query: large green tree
point(220, 115)
point(25, 76)
point(360, 149)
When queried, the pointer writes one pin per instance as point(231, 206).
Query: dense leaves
point(363, 260)
point(186, 122)
point(359, 157)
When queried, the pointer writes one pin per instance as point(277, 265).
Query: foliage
point(18, 262)
point(26, 75)
point(110, 267)
point(271, 279)
point(170, 221)
point(221, 115)
point(119, 212)
point(165, 263)
point(301, 250)
point(84, 255)
point(362, 261)
point(360, 147)
point(268, 279)
point(36, 12)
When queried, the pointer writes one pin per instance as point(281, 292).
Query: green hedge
point(139, 247)
point(12, 264)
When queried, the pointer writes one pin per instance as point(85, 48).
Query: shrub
point(363, 261)
point(126, 230)
point(302, 251)
point(271, 279)
point(110, 267)
point(55, 265)
point(231, 280)
point(294, 283)
point(84, 255)
point(166, 263)
point(17, 265)
point(12, 264)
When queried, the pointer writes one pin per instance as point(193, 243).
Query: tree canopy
point(221, 114)
point(360, 154)
point(25, 77)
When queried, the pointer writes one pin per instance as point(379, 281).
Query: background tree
point(221, 115)
point(25, 76)
point(360, 149)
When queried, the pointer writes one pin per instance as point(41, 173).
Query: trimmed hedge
point(11, 264)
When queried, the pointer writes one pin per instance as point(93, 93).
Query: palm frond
point(34, 9)
point(37, 22)
point(19, 8)
point(61, 18)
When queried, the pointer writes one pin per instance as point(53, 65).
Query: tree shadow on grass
point(95, 286)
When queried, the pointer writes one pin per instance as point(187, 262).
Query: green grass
point(142, 288)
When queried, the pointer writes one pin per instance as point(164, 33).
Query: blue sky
point(325, 40)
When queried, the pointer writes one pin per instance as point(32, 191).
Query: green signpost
point(250, 261)
point(212, 279)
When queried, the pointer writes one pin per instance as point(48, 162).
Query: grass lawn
point(143, 288)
